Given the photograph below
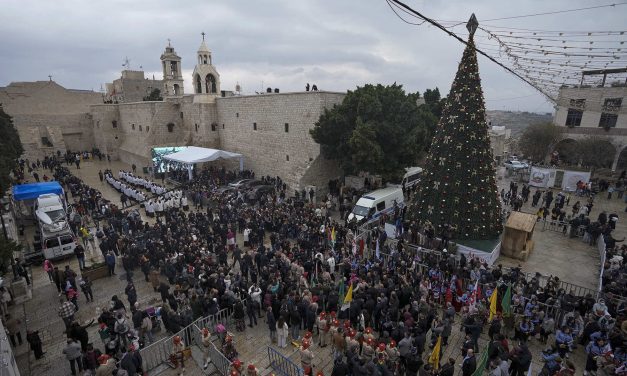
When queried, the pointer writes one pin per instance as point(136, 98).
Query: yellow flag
point(495, 293)
point(349, 295)
point(434, 358)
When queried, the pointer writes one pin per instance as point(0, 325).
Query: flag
point(342, 290)
point(434, 358)
point(474, 296)
point(495, 293)
point(348, 299)
point(482, 363)
point(333, 234)
point(506, 303)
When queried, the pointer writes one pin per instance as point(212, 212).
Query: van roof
point(382, 193)
point(412, 170)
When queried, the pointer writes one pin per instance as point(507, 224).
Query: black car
point(256, 192)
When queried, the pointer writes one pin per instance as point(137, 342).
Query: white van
point(50, 212)
point(59, 244)
point(411, 177)
point(373, 204)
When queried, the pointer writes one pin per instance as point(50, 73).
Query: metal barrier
point(222, 364)
point(283, 365)
point(555, 225)
point(158, 352)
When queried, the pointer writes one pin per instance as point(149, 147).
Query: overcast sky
point(336, 44)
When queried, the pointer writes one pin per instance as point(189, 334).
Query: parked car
point(515, 165)
point(255, 193)
point(239, 183)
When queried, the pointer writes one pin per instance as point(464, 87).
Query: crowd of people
point(295, 268)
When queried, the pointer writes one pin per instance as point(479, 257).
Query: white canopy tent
point(194, 154)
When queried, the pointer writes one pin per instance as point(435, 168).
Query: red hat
point(332, 313)
point(205, 331)
point(234, 373)
point(176, 339)
point(237, 363)
point(347, 324)
point(103, 325)
point(323, 314)
point(102, 359)
point(370, 341)
point(336, 322)
point(368, 330)
point(392, 344)
point(381, 346)
point(251, 367)
point(305, 343)
point(308, 334)
point(319, 373)
point(351, 333)
point(229, 338)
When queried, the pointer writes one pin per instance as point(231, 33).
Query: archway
point(198, 84)
point(567, 152)
point(210, 84)
point(177, 89)
point(622, 160)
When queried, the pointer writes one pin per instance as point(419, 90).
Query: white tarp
point(571, 178)
point(194, 154)
point(539, 177)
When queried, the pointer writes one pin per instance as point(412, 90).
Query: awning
point(194, 154)
point(34, 190)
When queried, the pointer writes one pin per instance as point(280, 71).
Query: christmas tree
point(459, 186)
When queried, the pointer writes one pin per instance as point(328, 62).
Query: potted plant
point(95, 270)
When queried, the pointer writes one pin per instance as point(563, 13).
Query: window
point(170, 127)
point(381, 206)
point(237, 114)
point(67, 239)
point(612, 104)
point(148, 128)
point(287, 127)
point(114, 123)
point(52, 242)
point(213, 127)
point(140, 127)
point(222, 125)
point(46, 142)
point(181, 114)
point(573, 119)
point(116, 137)
point(133, 126)
point(98, 123)
point(254, 126)
point(608, 120)
point(196, 125)
point(578, 103)
point(287, 157)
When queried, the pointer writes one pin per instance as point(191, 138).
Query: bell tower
point(205, 76)
point(172, 77)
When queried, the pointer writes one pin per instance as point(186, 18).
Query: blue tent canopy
point(34, 190)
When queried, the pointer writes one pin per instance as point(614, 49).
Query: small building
point(517, 235)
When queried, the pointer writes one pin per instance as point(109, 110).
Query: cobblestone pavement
point(554, 254)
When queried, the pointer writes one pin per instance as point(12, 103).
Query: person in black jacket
point(469, 364)
point(448, 369)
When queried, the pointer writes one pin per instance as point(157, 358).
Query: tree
point(459, 184)
point(378, 129)
point(596, 152)
point(155, 95)
point(538, 140)
point(11, 147)
point(8, 248)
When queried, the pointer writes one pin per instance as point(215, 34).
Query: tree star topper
point(472, 25)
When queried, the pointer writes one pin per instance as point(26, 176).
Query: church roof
point(203, 47)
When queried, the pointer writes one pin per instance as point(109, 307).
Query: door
point(67, 245)
point(559, 177)
point(52, 248)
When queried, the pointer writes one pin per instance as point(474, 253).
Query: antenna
point(127, 63)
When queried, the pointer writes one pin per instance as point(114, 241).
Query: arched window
point(140, 127)
point(198, 84)
point(210, 84)
point(170, 127)
point(133, 126)
point(177, 89)
point(204, 59)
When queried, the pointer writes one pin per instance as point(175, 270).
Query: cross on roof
point(203, 36)
point(169, 42)
point(50, 77)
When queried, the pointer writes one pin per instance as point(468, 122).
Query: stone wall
point(269, 149)
point(45, 110)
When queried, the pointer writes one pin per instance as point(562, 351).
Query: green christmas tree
point(459, 186)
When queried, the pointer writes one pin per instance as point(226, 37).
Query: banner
point(471, 253)
point(539, 177)
point(569, 182)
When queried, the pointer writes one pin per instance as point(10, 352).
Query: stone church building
point(270, 130)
